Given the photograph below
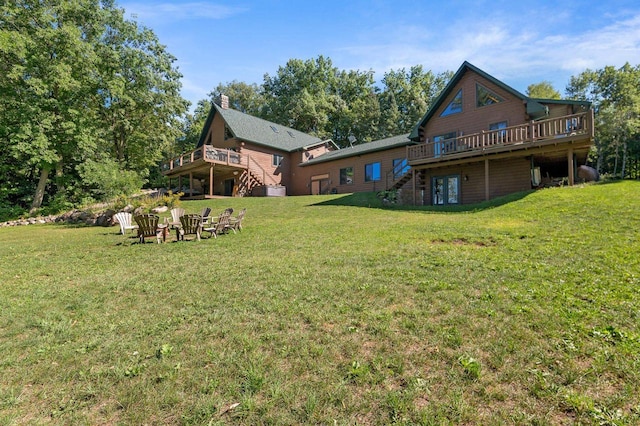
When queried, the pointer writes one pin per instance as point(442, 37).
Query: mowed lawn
point(333, 310)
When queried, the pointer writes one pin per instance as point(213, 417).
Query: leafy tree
point(192, 127)
point(406, 97)
point(139, 95)
point(615, 94)
point(243, 97)
point(46, 86)
point(357, 110)
point(80, 84)
point(301, 95)
point(542, 90)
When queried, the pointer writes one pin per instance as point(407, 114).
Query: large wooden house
point(480, 139)
point(239, 154)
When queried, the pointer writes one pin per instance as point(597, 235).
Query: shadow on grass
point(371, 200)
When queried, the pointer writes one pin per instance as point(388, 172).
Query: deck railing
point(209, 154)
point(528, 133)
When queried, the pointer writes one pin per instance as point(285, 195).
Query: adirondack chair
point(221, 226)
point(149, 226)
point(176, 214)
point(189, 224)
point(235, 223)
point(124, 220)
point(205, 213)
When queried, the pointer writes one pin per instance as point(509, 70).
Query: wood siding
point(473, 119)
point(301, 182)
point(505, 177)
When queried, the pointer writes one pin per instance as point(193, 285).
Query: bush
point(107, 180)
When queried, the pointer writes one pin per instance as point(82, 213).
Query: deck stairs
point(248, 180)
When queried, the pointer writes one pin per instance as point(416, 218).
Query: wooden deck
point(205, 154)
point(566, 129)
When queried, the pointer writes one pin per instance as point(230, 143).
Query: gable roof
point(258, 131)
point(534, 108)
point(365, 148)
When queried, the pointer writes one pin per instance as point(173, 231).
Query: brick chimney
point(224, 101)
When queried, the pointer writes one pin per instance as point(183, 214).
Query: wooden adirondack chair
point(221, 226)
point(176, 214)
point(235, 223)
point(205, 213)
point(124, 220)
point(189, 224)
point(149, 226)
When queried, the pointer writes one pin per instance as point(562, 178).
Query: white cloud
point(156, 13)
point(510, 53)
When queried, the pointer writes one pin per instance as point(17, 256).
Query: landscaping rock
point(588, 174)
point(159, 209)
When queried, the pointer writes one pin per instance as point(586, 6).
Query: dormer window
point(455, 106)
point(485, 96)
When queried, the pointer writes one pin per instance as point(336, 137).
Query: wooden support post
point(190, 184)
point(570, 166)
point(413, 176)
point(211, 180)
point(486, 179)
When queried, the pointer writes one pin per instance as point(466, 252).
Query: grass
point(333, 310)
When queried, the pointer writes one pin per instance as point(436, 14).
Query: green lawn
point(333, 310)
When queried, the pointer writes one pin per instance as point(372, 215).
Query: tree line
point(90, 104)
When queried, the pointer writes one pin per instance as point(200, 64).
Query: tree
point(243, 97)
point(542, 90)
point(80, 85)
point(406, 97)
point(315, 97)
point(615, 94)
point(140, 106)
point(300, 95)
point(192, 127)
point(46, 86)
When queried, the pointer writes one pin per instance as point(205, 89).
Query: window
point(445, 190)
point(275, 129)
point(346, 176)
point(400, 167)
point(485, 96)
point(444, 143)
point(455, 106)
point(227, 133)
point(277, 160)
point(372, 172)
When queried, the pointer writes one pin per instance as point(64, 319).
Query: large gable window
point(485, 96)
point(455, 106)
point(277, 160)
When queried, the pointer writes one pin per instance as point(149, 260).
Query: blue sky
point(519, 43)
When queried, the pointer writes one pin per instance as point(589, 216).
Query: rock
point(159, 209)
point(588, 174)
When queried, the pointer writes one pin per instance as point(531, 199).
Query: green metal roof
point(261, 132)
point(365, 148)
point(534, 108)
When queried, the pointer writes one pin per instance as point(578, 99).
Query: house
point(479, 140)
point(239, 154)
point(482, 139)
